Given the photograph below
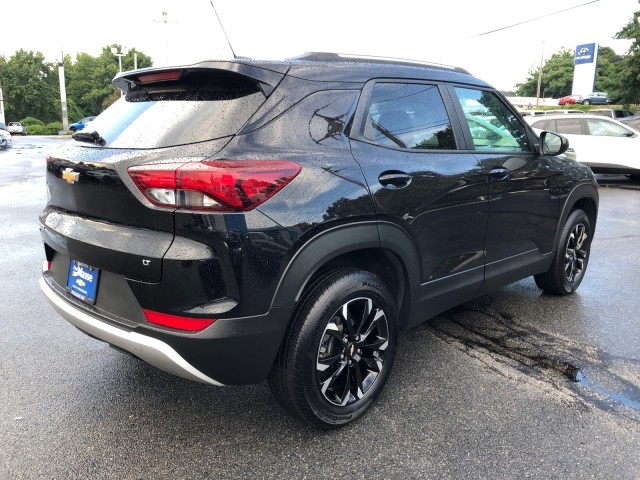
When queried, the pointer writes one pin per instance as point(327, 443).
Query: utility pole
point(166, 21)
point(120, 54)
point(2, 120)
point(540, 75)
point(63, 96)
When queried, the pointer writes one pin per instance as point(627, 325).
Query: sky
point(448, 32)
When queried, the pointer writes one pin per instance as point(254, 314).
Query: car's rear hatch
point(95, 213)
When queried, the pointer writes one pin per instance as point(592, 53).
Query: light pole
point(540, 75)
point(63, 96)
point(121, 54)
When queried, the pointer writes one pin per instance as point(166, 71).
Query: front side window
point(493, 126)
point(603, 128)
point(409, 116)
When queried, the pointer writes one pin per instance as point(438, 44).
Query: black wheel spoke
point(346, 391)
point(348, 319)
point(358, 382)
point(374, 317)
point(327, 363)
point(376, 344)
point(373, 363)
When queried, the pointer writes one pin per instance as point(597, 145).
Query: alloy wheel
point(576, 253)
point(351, 353)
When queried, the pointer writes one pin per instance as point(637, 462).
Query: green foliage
point(31, 121)
point(628, 69)
point(617, 75)
point(557, 77)
point(31, 85)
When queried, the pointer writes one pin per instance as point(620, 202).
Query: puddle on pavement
point(479, 328)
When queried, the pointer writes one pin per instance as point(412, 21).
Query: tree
point(608, 73)
point(628, 69)
point(557, 77)
point(30, 87)
point(89, 80)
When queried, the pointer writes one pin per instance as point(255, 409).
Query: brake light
point(159, 76)
point(177, 322)
point(218, 185)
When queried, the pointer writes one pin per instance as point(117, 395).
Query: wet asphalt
point(515, 384)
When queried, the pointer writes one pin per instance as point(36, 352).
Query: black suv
point(236, 221)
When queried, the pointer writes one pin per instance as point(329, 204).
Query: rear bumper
point(231, 351)
point(151, 350)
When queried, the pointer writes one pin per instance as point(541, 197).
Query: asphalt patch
point(598, 379)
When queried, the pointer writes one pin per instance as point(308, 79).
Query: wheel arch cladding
point(395, 261)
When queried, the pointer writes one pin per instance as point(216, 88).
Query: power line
point(534, 19)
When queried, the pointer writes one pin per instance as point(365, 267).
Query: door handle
point(394, 179)
point(500, 174)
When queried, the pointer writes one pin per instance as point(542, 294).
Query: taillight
point(216, 185)
point(177, 322)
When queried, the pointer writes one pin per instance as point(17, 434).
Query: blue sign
point(585, 53)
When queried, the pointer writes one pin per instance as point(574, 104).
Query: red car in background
point(596, 98)
point(570, 99)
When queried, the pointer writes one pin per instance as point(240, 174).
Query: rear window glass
point(203, 106)
point(409, 116)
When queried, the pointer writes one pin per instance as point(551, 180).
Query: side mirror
point(553, 144)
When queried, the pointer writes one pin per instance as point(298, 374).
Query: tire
point(339, 351)
point(73, 130)
point(571, 257)
point(587, 102)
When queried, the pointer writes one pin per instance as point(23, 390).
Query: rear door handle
point(500, 174)
point(394, 179)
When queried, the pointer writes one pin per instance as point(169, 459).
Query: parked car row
point(595, 98)
point(5, 139)
point(602, 143)
point(533, 113)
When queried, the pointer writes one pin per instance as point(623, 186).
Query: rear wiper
point(89, 137)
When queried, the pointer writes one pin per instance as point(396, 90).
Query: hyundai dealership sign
point(585, 53)
point(585, 65)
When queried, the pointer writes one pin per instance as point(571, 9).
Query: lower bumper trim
point(151, 350)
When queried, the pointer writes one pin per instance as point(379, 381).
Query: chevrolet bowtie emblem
point(70, 176)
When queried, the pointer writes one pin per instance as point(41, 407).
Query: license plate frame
point(82, 281)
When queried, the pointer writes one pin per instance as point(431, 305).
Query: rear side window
point(544, 125)
point(203, 105)
point(569, 125)
point(493, 126)
point(409, 115)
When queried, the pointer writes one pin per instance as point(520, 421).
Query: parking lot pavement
point(618, 181)
point(515, 384)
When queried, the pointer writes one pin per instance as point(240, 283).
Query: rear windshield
point(201, 106)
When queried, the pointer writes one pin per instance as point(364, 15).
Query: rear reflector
point(218, 185)
point(177, 322)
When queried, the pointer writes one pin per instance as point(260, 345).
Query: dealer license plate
point(83, 281)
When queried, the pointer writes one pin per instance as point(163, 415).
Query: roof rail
point(346, 57)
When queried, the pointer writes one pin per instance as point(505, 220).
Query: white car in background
point(602, 143)
point(5, 139)
point(16, 128)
